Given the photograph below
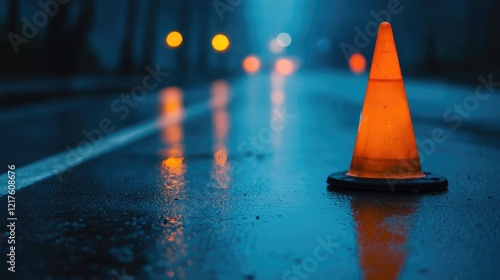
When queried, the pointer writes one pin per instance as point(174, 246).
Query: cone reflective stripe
point(385, 154)
point(385, 145)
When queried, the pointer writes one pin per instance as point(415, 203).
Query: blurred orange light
point(220, 42)
point(357, 63)
point(284, 66)
point(174, 39)
point(251, 64)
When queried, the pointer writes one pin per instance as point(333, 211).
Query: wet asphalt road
point(238, 191)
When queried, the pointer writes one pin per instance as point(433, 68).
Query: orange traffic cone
point(385, 155)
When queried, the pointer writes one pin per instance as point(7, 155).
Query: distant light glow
point(251, 64)
point(174, 39)
point(357, 63)
point(284, 39)
point(277, 97)
point(284, 66)
point(275, 47)
point(220, 42)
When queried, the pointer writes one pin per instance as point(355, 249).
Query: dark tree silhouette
point(492, 40)
point(183, 21)
point(127, 58)
point(13, 62)
point(204, 24)
point(13, 16)
point(64, 46)
point(150, 34)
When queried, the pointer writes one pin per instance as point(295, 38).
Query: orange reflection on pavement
point(174, 160)
point(221, 124)
point(220, 156)
point(219, 99)
point(175, 245)
point(277, 81)
point(219, 94)
point(382, 233)
point(277, 97)
point(172, 166)
point(171, 101)
point(171, 107)
point(173, 172)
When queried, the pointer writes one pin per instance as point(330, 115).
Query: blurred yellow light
point(220, 42)
point(174, 39)
point(284, 66)
point(251, 64)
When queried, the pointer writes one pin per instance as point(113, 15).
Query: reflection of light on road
point(277, 100)
point(174, 39)
point(220, 42)
point(219, 94)
point(171, 107)
point(173, 168)
point(277, 81)
point(284, 66)
point(221, 120)
point(357, 63)
point(172, 134)
point(175, 244)
point(171, 100)
point(277, 97)
point(284, 39)
point(175, 161)
point(275, 47)
point(221, 156)
point(251, 64)
point(382, 232)
point(277, 88)
point(173, 171)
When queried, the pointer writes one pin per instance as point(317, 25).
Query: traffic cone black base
point(429, 183)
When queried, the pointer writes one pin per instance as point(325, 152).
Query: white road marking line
point(51, 166)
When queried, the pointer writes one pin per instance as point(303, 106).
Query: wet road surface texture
point(227, 181)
